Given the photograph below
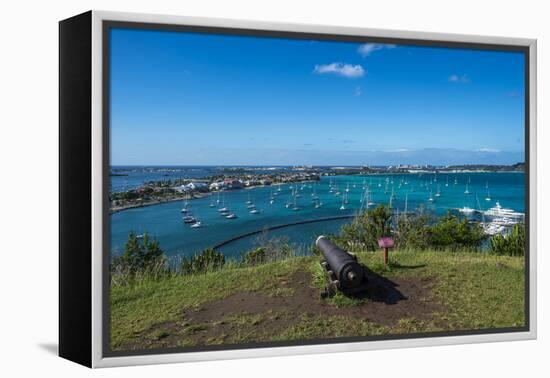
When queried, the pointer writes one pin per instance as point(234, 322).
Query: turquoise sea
point(411, 191)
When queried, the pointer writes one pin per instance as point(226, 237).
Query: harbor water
point(447, 191)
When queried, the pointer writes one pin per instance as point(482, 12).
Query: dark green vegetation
point(411, 231)
point(437, 280)
point(512, 244)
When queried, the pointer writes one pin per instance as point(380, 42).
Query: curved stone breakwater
point(266, 229)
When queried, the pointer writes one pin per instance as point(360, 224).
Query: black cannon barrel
point(345, 267)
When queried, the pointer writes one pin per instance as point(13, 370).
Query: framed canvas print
point(237, 189)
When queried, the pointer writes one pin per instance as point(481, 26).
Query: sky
point(180, 98)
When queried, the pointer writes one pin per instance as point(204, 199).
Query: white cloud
point(342, 69)
point(459, 79)
point(367, 49)
point(487, 149)
point(398, 150)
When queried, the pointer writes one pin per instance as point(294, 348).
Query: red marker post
point(386, 243)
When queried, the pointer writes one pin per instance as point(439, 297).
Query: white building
point(197, 185)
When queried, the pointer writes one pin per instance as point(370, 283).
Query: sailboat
point(289, 202)
point(438, 193)
point(188, 219)
point(248, 202)
point(185, 210)
point(197, 224)
point(430, 199)
point(369, 199)
point(212, 202)
point(254, 211)
point(488, 198)
point(447, 183)
point(223, 209)
point(271, 197)
point(342, 207)
point(314, 195)
point(466, 191)
point(295, 205)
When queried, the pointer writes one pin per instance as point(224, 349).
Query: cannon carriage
point(343, 271)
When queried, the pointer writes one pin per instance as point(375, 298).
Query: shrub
point(512, 244)
point(208, 260)
point(452, 233)
point(254, 257)
point(366, 229)
point(413, 232)
point(268, 250)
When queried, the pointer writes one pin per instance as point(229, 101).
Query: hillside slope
point(420, 292)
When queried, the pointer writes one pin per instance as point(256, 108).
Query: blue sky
point(189, 98)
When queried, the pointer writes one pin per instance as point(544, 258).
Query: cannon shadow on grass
point(380, 289)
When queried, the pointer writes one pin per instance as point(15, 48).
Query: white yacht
point(499, 211)
point(466, 210)
point(493, 228)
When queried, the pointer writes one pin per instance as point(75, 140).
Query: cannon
point(343, 271)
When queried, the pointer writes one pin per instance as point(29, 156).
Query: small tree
point(367, 228)
point(512, 244)
point(413, 232)
point(140, 255)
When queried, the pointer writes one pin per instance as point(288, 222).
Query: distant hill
point(518, 167)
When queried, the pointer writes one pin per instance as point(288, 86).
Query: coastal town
point(171, 188)
point(155, 192)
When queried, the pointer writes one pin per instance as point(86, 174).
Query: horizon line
point(311, 165)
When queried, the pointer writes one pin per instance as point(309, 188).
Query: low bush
point(410, 231)
point(512, 244)
point(268, 250)
point(207, 261)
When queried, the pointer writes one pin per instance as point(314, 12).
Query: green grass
point(475, 291)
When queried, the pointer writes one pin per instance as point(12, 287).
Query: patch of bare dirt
point(261, 316)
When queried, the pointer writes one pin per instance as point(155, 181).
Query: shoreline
point(193, 196)
point(118, 209)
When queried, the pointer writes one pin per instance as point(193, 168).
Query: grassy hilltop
point(444, 275)
point(423, 291)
